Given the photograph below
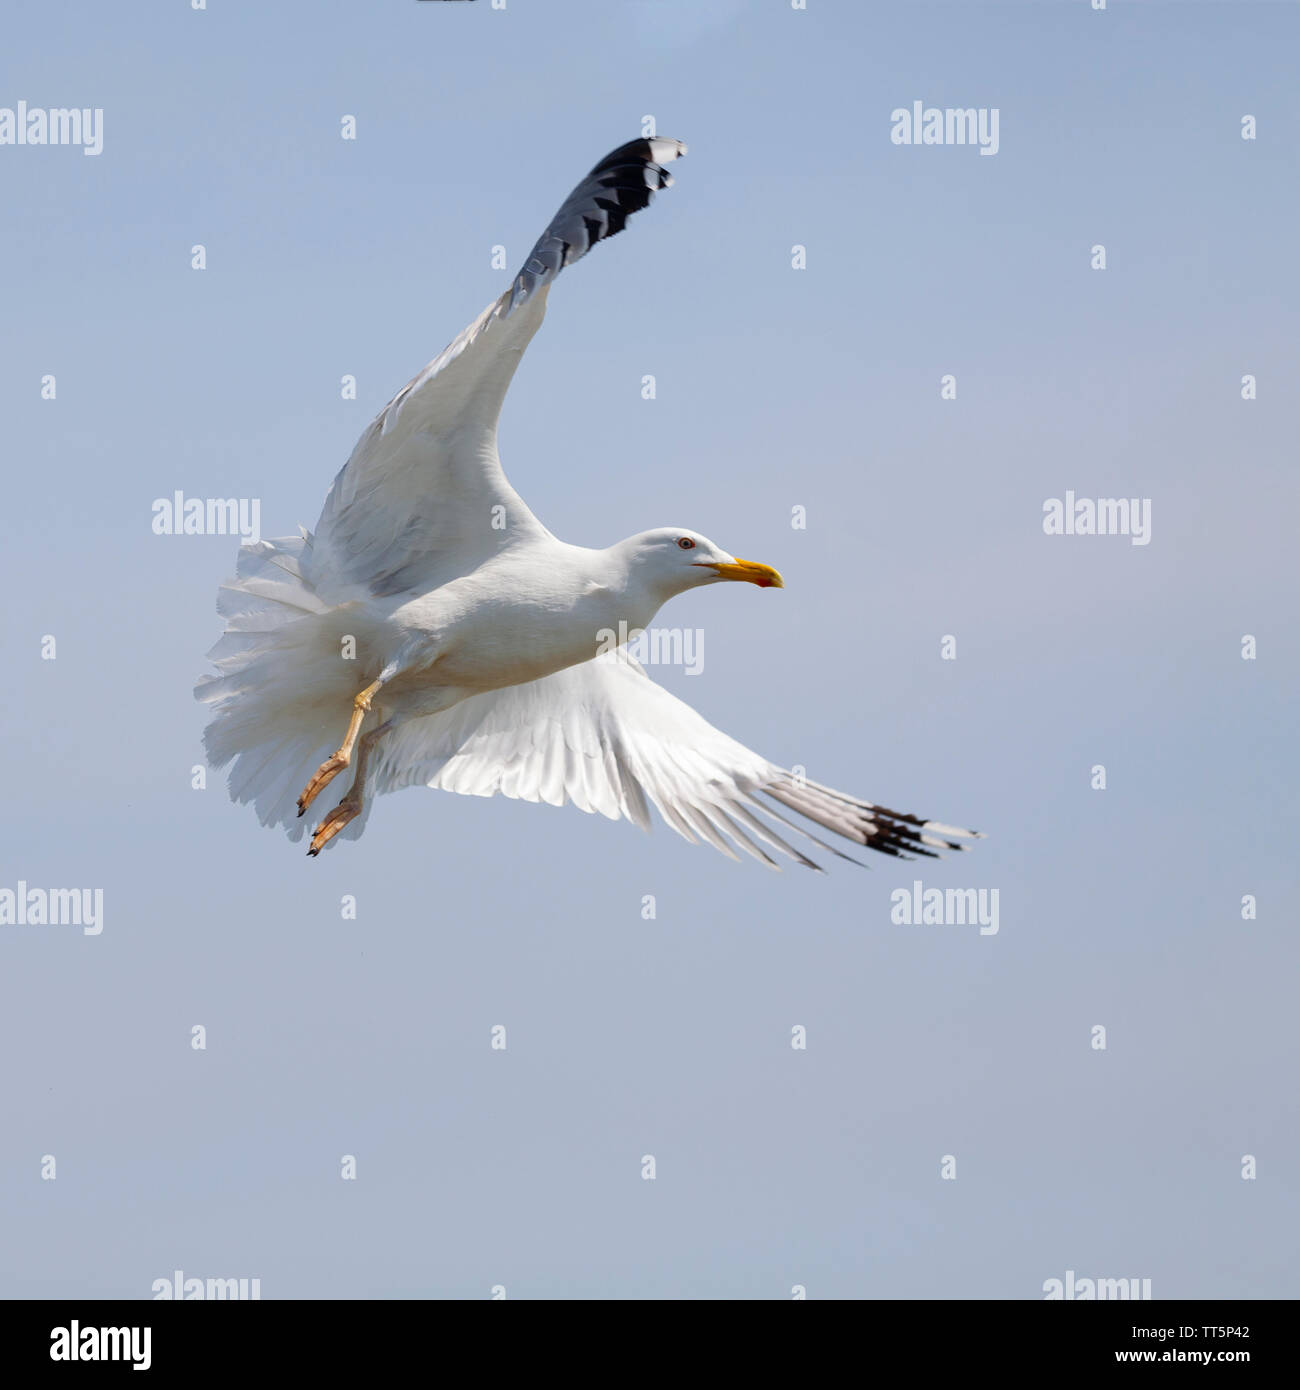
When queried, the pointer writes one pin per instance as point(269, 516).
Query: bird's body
point(465, 646)
point(523, 614)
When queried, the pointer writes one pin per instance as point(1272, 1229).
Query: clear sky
point(777, 389)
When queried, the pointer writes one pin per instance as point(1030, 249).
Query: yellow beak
point(752, 572)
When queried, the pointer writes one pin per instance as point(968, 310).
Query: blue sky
point(776, 389)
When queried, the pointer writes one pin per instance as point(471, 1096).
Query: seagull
point(431, 630)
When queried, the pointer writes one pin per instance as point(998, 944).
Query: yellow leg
point(350, 807)
point(331, 767)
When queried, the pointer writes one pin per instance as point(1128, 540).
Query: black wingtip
point(621, 184)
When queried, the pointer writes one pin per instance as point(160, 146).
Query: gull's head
point(672, 560)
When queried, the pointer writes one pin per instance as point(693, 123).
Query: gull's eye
point(686, 543)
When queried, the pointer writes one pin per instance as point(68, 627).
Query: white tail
point(283, 692)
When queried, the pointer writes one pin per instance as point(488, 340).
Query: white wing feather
point(413, 507)
point(605, 737)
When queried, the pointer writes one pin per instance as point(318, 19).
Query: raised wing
point(604, 736)
point(423, 497)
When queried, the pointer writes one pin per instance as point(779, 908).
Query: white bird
point(432, 609)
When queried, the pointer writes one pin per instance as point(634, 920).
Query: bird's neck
point(619, 570)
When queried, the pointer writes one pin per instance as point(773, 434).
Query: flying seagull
point(432, 630)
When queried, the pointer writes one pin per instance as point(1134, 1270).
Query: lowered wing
point(607, 738)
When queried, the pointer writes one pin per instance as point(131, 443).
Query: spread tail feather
point(281, 686)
